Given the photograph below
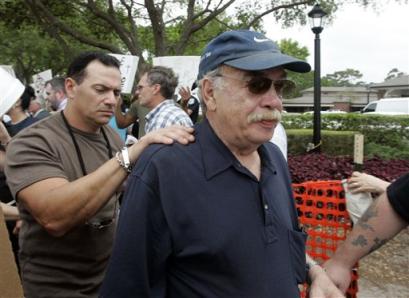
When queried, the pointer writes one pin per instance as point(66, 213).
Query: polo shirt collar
point(216, 157)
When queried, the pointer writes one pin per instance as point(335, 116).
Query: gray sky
point(371, 42)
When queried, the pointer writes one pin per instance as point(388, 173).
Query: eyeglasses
point(259, 85)
point(140, 87)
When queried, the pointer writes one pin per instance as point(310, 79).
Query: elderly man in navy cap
point(217, 218)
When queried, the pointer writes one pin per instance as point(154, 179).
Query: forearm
point(59, 205)
point(314, 268)
point(2, 160)
point(10, 212)
point(320, 283)
point(376, 226)
point(123, 120)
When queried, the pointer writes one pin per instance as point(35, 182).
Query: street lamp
point(316, 16)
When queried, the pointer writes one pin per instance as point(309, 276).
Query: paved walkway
point(385, 273)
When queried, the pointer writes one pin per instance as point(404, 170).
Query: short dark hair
point(57, 83)
point(76, 70)
point(27, 96)
point(165, 77)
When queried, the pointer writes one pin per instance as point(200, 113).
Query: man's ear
point(70, 86)
point(208, 94)
point(156, 89)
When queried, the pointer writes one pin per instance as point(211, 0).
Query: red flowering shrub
point(315, 166)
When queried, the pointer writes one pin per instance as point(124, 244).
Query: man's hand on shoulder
point(168, 135)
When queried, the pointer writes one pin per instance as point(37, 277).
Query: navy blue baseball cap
point(246, 50)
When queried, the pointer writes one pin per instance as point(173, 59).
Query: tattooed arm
point(377, 225)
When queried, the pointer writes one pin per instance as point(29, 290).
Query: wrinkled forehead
point(98, 73)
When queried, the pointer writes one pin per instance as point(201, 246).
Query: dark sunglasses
point(259, 85)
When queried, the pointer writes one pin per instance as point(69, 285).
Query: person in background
point(155, 91)
point(8, 203)
point(189, 103)
point(386, 217)
point(280, 139)
point(55, 93)
point(66, 173)
point(135, 115)
point(36, 109)
point(232, 230)
point(18, 113)
point(10, 212)
point(120, 131)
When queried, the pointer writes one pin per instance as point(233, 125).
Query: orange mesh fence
point(322, 212)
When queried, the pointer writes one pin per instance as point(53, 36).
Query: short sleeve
point(30, 158)
point(398, 195)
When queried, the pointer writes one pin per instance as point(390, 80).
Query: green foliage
point(142, 28)
point(386, 152)
point(303, 80)
point(31, 48)
point(343, 78)
point(293, 48)
point(379, 131)
point(394, 73)
point(333, 142)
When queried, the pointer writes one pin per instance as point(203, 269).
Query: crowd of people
point(188, 209)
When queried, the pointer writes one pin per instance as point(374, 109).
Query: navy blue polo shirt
point(196, 223)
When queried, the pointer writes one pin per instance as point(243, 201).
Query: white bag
point(357, 203)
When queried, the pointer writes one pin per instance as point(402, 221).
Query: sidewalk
point(385, 273)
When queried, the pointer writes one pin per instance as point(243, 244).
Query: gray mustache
point(270, 116)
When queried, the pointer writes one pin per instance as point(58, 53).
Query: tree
point(302, 80)
point(394, 73)
point(150, 28)
point(30, 48)
point(343, 78)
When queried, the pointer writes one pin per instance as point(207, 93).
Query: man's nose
point(111, 98)
point(271, 99)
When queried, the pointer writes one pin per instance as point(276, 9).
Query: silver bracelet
point(127, 168)
point(125, 156)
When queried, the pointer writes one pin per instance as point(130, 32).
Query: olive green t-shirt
point(139, 112)
point(72, 265)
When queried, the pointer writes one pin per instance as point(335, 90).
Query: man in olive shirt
point(135, 115)
point(65, 172)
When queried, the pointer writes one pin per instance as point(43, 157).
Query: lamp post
point(316, 16)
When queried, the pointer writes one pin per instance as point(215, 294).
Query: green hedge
point(333, 142)
point(385, 136)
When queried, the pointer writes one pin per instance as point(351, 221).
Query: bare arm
point(321, 285)
point(10, 212)
point(4, 135)
point(185, 95)
point(376, 226)
point(4, 140)
point(123, 120)
point(361, 182)
point(59, 205)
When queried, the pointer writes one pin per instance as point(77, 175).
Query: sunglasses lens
point(259, 85)
point(284, 87)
